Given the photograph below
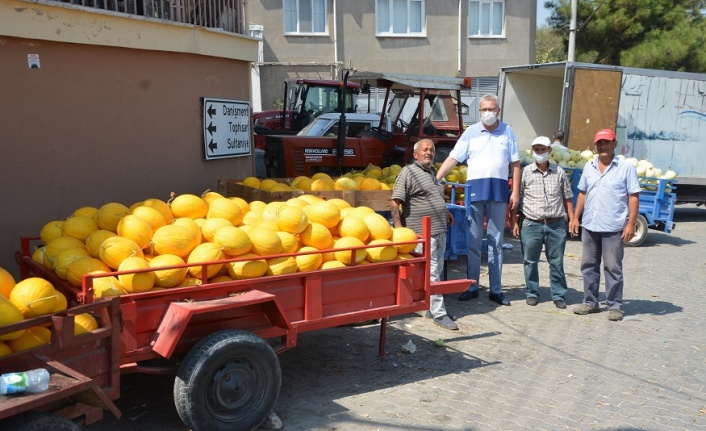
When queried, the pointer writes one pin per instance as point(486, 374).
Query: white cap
point(542, 140)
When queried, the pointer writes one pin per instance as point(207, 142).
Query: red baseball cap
point(604, 134)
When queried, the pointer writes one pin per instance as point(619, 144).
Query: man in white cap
point(546, 198)
point(609, 201)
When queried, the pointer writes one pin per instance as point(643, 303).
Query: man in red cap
point(609, 200)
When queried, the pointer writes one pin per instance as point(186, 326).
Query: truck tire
point(640, 232)
point(229, 381)
point(38, 421)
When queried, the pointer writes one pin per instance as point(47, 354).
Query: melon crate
point(378, 200)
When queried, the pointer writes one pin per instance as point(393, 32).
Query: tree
point(549, 46)
point(657, 34)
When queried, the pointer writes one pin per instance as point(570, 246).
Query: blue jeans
point(553, 236)
point(495, 212)
point(438, 247)
point(610, 247)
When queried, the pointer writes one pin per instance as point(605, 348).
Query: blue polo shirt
point(489, 155)
point(606, 205)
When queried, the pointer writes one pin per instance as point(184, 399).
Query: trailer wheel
point(38, 421)
point(230, 380)
point(640, 232)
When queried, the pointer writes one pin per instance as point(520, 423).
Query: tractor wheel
point(229, 381)
point(38, 421)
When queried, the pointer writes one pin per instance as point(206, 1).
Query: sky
point(542, 13)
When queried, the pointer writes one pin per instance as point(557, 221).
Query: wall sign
point(226, 128)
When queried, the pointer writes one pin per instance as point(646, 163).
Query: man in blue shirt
point(609, 201)
point(490, 149)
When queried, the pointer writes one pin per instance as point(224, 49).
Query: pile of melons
point(32, 297)
point(189, 229)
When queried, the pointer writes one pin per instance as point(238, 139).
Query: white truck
point(657, 115)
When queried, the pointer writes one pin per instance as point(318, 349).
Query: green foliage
point(549, 46)
point(656, 34)
point(278, 103)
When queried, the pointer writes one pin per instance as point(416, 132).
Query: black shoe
point(468, 295)
point(446, 322)
point(532, 300)
point(499, 298)
point(560, 303)
point(429, 316)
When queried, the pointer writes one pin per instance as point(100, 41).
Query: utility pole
point(572, 31)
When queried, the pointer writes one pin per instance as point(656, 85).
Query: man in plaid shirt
point(546, 199)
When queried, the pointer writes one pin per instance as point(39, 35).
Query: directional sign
point(226, 128)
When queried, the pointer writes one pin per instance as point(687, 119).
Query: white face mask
point(488, 117)
point(540, 158)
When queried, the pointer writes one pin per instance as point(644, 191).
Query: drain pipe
point(335, 39)
point(460, 33)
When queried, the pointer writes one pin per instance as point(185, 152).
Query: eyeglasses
point(488, 109)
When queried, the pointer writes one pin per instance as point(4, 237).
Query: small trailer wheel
point(229, 381)
point(38, 421)
point(640, 232)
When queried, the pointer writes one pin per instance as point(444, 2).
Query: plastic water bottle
point(29, 381)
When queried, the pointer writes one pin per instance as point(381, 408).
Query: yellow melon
point(136, 229)
point(310, 199)
point(332, 264)
point(4, 349)
point(150, 215)
point(205, 252)
point(257, 206)
point(61, 302)
point(345, 212)
point(252, 268)
point(192, 225)
point(85, 212)
point(401, 234)
point(404, 256)
point(188, 205)
point(378, 225)
point(38, 254)
point(9, 314)
point(56, 246)
point(160, 206)
point(290, 244)
point(233, 240)
point(385, 253)
point(370, 184)
point(226, 209)
point(35, 336)
point(340, 203)
point(280, 187)
point(50, 231)
point(107, 286)
point(95, 239)
point(345, 183)
point(242, 204)
point(7, 282)
point(361, 211)
point(302, 183)
point(252, 218)
point(322, 184)
point(168, 277)
point(281, 265)
point(291, 219)
point(190, 281)
point(176, 239)
point(251, 182)
point(221, 279)
point(355, 227)
point(211, 225)
point(320, 175)
point(265, 242)
point(135, 282)
point(210, 196)
point(346, 256)
point(323, 212)
point(316, 235)
point(110, 214)
point(84, 323)
point(271, 210)
point(116, 249)
point(295, 202)
point(65, 258)
point(79, 267)
point(270, 225)
point(308, 262)
point(267, 184)
point(34, 296)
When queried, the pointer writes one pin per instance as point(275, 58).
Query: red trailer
point(226, 336)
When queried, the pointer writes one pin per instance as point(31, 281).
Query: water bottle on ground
point(31, 381)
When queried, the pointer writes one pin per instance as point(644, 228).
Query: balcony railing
point(227, 15)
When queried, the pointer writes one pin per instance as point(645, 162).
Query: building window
point(486, 18)
point(400, 17)
point(305, 17)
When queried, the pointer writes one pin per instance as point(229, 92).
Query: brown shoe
point(583, 309)
point(615, 314)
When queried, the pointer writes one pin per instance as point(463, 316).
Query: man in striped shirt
point(546, 199)
point(420, 194)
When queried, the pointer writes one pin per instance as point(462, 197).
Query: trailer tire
point(38, 421)
point(229, 380)
point(640, 232)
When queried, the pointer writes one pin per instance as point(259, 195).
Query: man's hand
point(515, 228)
point(514, 201)
point(628, 232)
point(574, 226)
point(450, 219)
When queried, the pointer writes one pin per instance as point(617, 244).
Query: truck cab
point(417, 107)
